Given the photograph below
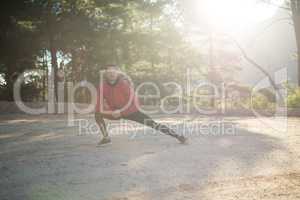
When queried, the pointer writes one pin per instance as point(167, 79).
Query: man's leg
point(101, 124)
point(142, 118)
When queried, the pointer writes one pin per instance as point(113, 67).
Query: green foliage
point(260, 101)
point(140, 36)
point(293, 98)
point(269, 94)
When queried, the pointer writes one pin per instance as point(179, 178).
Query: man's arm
point(131, 98)
point(101, 105)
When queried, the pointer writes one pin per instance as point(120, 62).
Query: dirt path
point(42, 158)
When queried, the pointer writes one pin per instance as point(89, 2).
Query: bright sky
point(230, 15)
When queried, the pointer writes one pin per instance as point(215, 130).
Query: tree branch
point(276, 5)
point(251, 61)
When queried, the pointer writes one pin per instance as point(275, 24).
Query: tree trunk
point(54, 68)
point(125, 43)
point(260, 68)
point(152, 41)
point(45, 77)
point(53, 51)
point(10, 79)
point(73, 66)
point(295, 7)
point(54, 65)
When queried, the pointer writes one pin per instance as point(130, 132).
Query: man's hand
point(116, 114)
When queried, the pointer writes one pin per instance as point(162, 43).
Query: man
point(116, 100)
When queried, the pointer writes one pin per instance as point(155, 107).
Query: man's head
point(112, 73)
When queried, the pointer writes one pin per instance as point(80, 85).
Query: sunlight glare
point(231, 15)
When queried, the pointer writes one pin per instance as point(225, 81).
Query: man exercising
point(116, 100)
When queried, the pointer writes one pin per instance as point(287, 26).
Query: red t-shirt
point(119, 96)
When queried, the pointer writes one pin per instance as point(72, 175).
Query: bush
point(260, 101)
point(293, 99)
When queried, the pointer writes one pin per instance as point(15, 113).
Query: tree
point(295, 7)
point(17, 40)
point(85, 35)
point(292, 6)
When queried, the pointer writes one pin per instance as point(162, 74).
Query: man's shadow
point(165, 170)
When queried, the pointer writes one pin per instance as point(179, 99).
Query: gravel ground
point(44, 158)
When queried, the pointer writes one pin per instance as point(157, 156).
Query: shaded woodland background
point(73, 39)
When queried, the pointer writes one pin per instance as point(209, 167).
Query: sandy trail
point(43, 158)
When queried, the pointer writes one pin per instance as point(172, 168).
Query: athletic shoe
point(182, 139)
point(104, 141)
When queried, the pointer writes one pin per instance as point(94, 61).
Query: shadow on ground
point(52, 162)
